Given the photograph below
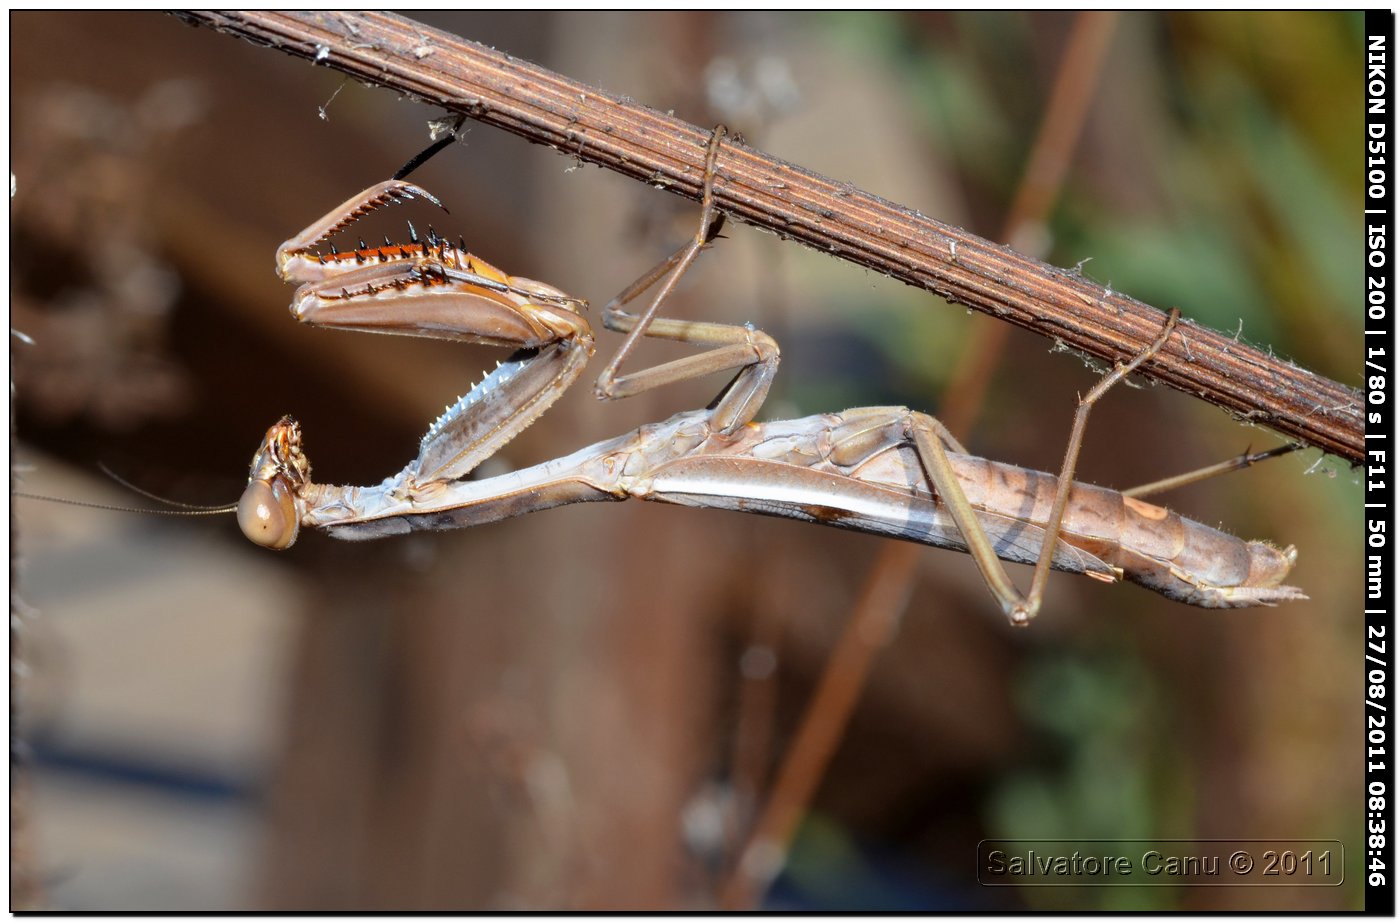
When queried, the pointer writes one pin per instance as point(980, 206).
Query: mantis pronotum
point(883, 470)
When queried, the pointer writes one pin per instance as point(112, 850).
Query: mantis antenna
point(185, 508)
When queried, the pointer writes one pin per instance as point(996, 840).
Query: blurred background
point(587, 708)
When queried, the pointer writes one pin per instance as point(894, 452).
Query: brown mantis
point(882, 470)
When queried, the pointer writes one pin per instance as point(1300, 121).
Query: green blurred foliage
point(1248, 167)
point(1109, 770)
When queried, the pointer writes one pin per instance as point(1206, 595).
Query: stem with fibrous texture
point(548, 108)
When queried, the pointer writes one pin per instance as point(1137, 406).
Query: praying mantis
point(882, 470)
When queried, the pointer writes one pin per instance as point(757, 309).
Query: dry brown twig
point(871, 624)
point(868, 631)
point(547, 108)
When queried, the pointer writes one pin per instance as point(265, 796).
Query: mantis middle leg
point(739, 347)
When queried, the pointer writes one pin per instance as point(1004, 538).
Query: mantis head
point(269, 511)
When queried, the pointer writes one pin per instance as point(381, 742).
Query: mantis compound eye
point(267, 514)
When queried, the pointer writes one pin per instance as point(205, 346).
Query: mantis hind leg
point(928, 441)
point(1224, 467)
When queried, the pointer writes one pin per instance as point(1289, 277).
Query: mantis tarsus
point(883, 470)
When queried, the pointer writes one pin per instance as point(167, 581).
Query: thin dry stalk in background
point(869, 629)
point(1040, 186)
point(891, 578)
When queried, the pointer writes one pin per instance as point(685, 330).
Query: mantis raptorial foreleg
point(432, 288)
